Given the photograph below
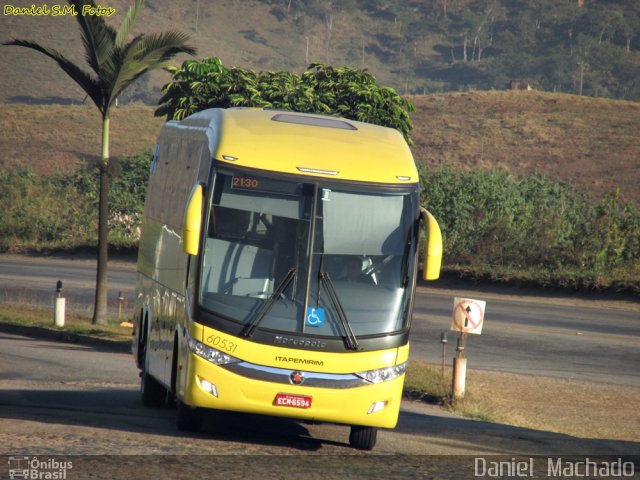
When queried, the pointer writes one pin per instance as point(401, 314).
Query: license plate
point(293, 401)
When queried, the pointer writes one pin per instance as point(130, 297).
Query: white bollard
point(59, 306)
point(59, 311)
point(459, 377)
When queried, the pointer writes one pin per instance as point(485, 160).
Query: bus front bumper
point(212, 386)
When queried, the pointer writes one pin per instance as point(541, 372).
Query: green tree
point(344, 91)
point(353, 93)
point(197, 85)
point(115, 64)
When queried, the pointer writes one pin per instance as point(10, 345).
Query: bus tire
point(142, 341)
point(363, 438)
point(172, 393)
point(188, 419)
point(152, 392)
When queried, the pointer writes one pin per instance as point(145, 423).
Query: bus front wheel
point(188, 418)
point(152, 392)
point(363, 438)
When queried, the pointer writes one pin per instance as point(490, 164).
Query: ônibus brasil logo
point(36, 469)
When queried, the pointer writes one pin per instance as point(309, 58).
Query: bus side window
point(229, 223)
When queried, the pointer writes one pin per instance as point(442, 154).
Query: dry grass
point(592, 143)
point(53, 137)
point(578, 408)
point(75, 322)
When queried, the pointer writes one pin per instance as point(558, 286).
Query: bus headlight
point(383, 374)
point(210, 354)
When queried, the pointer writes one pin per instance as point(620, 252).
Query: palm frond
point(111, 67)
point(143, 53)
point(125, 26)
point(115, 64)
point(98, 38)
point(161, 47)
point(88, 83)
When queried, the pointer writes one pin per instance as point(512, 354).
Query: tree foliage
point(58, 212)
point(449, 45)
point(493, 223)
point(503, 226)
point(556, 45)
point(342, 91)
point(115, 62)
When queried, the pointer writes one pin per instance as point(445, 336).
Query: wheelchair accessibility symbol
point(315, 317)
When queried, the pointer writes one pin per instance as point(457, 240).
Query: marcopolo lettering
point(299, 342)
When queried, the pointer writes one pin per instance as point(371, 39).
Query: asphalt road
point(60, 400)
point(73, 400)
point(32, 279)
point(577, 338)
point(588, 338)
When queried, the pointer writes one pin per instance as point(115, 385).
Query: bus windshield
point(308, 258)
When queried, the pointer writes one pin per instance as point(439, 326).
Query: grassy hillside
point(415, 46)
point(489, 217)
point(57, 137)
point(244, 33)
point(592, 143)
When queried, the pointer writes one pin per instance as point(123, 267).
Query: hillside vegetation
point(61, 138)
point(593, 144)
point(523, 186)
point(415, 46)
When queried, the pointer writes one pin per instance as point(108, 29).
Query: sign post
point(468, 317)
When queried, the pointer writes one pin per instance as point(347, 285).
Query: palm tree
point(115, 64)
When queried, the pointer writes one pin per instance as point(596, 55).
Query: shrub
point(532, 227)
point(60, 211)
point(494, 224)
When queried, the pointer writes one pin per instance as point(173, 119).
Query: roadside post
point(443, 341)
point(467, 317)
point(120, 304)
point(59, 306)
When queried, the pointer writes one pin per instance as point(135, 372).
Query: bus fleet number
point(222, 343)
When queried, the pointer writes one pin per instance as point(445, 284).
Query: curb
point(120, 346)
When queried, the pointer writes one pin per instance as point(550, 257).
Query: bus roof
point(304, 144)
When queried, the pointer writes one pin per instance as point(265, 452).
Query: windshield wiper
point(404, 274)
point(250, 328)
point(350, 339)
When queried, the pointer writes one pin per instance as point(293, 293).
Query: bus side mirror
point(192, 222)
point(433, 246)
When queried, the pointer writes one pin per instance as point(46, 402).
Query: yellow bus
point(277, 269)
